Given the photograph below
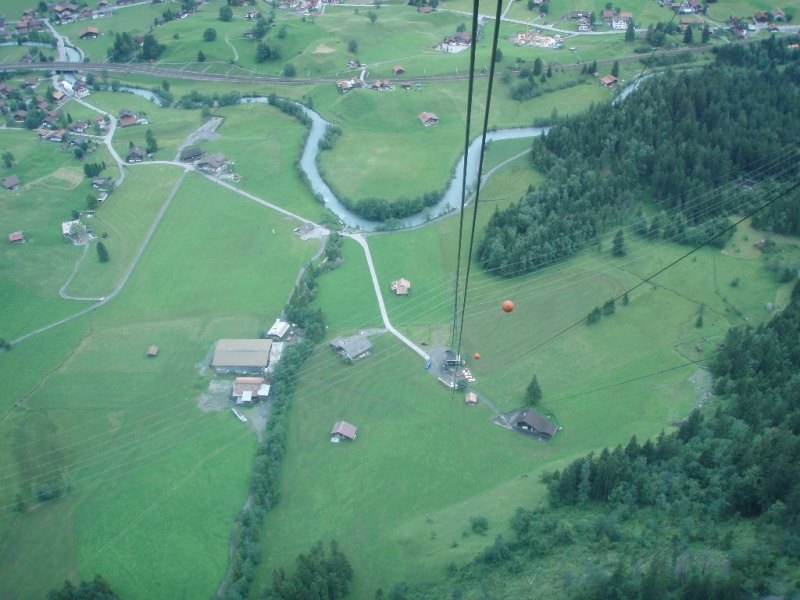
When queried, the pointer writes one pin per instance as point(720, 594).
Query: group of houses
point(535, 38)
point(253, 360)
point(457, 42)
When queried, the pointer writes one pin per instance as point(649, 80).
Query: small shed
point(342, 430)
point(279, 330)
point(428, 118)
point(401, 287)
point(152, 351)
point(16, 238)
point(11, 182)
point(398, 69)
point(471, 399)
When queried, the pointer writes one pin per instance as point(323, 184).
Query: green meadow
point(122, 435)
point(398, 499)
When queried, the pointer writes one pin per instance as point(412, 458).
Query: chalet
point(19, 115)
point(57, 95)
point(428, 119)
point(608, 81)
point(58, 135)
point(279, 330)
point(16, 238)
point(352, 348)
point(100, 121)
point(462, 38)
point(78, 140)
point(152, 351)
point(401, 287)
point(247, 389)
point(242, 356)
point(471, 399)
point(608, 16)
point(584, 24)
point(190, 153)
point(777, 14)
point(42, 106)
point(214, 163)
point(81, 89)
point(761, 18)
point(127, 120)
point(136, 155)
point(102, 183)
point(11, 182)
point(346, 85)
point(89, 33)
point(622, 20)
point(342, 430)
point(532, 422)
point(425, 9)
point(398, 70)
point(86, 13)
point(79, 126)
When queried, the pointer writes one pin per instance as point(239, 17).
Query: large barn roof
point(241, 353)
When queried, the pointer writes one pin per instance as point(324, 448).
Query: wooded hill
point(671, 144)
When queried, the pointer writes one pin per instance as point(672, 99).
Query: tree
point(625, 299)
point(165, 85)
point(289, 70)
point(615, 69)
point(706, 35)
point(200, 56)
point(610, 307)
point(699, 322)
point(352, 46)
point(462, 27)
point(373, 16)
point(225, 13)
point(630, 32)
point(102, 252)
point(533, 393)
point(619, 244)
point(594, 316)
point(281, 32)
point(91, 201)
point(151, 48)
point(498, 57)
point(152, 144)
point(265, 52)
point(210, 34)
point(97, 589)
point(479, 525)
point(8, 159)
point(688, 35)
point(41, 8)
point(537, 67)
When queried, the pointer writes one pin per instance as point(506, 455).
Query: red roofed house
point(608, 80)
point(16, 237)
point(343, 430)
point(398, 70)
point(428, 119)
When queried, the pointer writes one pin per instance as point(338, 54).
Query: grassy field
point(383, 144)
point(399, 498)
point(31, 273)
point(124, 433)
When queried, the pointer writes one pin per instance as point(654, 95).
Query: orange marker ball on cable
point(508, 306)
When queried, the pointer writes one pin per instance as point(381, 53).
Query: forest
point(693, 146)
point(707, 510)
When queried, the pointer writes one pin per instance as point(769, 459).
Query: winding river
point(451, 199)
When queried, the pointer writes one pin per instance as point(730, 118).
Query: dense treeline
point(96, 589)
point(673, 140)
point(318, 576)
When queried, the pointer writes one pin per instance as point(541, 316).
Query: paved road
point(384, 315)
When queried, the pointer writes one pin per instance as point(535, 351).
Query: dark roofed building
point(136, 155)
point(352, 348)
point(191, 153)
point(243, 356)
point(343, 430)
point(531, 421)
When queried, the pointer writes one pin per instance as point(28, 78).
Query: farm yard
point(128, 462)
